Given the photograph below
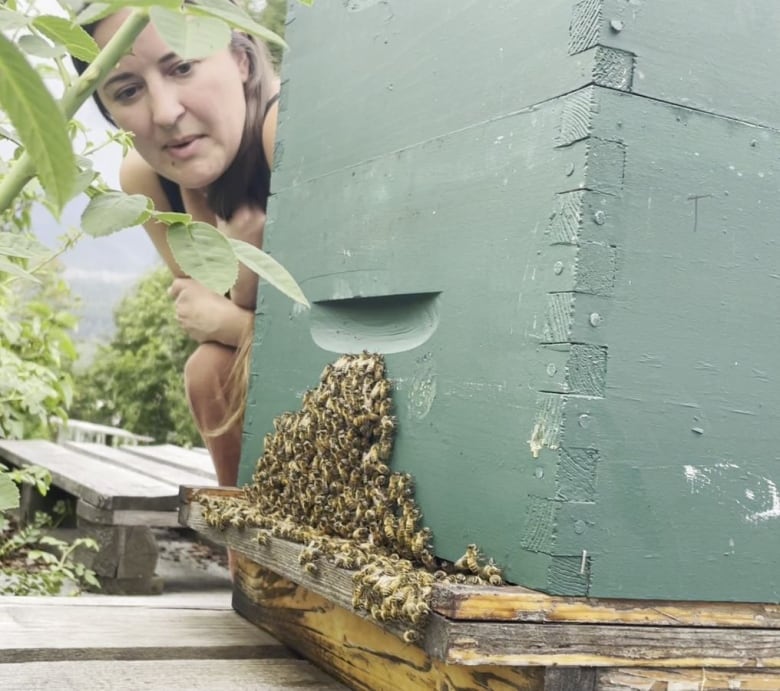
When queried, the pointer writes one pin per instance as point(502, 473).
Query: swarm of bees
point(324, 481)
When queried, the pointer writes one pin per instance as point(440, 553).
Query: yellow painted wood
point(688, 680)
point(357, 651)
point(521, 604)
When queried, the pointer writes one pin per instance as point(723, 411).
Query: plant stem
point(23, 170)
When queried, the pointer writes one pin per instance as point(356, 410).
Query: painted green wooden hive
point(560, 223)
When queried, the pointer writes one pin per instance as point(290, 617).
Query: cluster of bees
point(324, 481)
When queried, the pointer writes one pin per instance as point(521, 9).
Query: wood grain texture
point(356, 651)
point(725, 78)
point(200, 599)
point(702, 679)
point(66, 632)
point(515, 603)
point(179, 474)
point(104, 486)
point(163, 675)
point(193, 462)
point(595, 645)
point(158, 519)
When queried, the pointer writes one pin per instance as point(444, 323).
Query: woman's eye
point(183, 68)
point(126, 94)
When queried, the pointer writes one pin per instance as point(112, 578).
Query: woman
point(203, 139)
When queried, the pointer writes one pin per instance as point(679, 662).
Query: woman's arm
point(203, 314)
point(137, 177)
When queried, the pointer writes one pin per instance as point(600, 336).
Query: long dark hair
point(247, 179)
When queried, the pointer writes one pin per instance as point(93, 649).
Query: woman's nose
point(165, 105)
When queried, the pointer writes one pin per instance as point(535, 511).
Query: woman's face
point(187, 115)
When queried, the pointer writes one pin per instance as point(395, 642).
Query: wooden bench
point(80, 430)
point(120, 493)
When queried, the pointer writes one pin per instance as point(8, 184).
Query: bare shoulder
point(136, 176)
point(269, 131)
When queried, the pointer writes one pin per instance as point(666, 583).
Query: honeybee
point(411, 636)
point(469, 561)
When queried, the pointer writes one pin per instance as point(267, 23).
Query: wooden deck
point(183, 640)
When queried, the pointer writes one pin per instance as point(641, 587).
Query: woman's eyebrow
point(121, 76)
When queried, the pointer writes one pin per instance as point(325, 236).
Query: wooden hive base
point(500, 638)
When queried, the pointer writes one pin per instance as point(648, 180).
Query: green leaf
point(10, 21)
point(15, 270)
point(38, 555)
point(40, 48)
point(189, 36)
point(96, 11)
point(93, 12)
point(235, 16)
point(170, 217)
point(9, 493)
point(269, 270)
point(24, 246)
point(83, 180)
point(38, 121)
point(108, 212)
point(205, 254)
point(52, 541)
point(78, 42)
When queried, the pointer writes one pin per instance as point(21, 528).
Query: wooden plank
point(193, 461)
point(82, 428)
point(145, 466)
point(516, 603)
point(283, 557)
point(688, 680)
point(65, 632)
point(582, 645)
point(157, 519)
point(163, 675)
point(507, 604)
point(99, 484)
point(358, 652)
point(208, 600)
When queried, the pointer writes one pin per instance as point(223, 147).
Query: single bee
point(469, 562)
point(411, 636)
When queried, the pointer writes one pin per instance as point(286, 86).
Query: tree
point(273, 16)
point(135, 382)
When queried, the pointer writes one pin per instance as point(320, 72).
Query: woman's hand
point(207, 316)
point(247, 224)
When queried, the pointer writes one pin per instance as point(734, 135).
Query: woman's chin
point(190, 179)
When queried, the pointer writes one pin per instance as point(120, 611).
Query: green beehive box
point(560, 224)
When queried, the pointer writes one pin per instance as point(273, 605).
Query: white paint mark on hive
point(696, 478)
point(773, 511)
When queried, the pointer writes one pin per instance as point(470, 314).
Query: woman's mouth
point(183, 148)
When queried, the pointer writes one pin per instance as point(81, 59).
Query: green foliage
point(135, 382)
point(9, 493)
point(31, 561)
point(36, 354)
point(273, 16)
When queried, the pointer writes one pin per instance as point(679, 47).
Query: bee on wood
point(469, 562)
point(411, 636)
